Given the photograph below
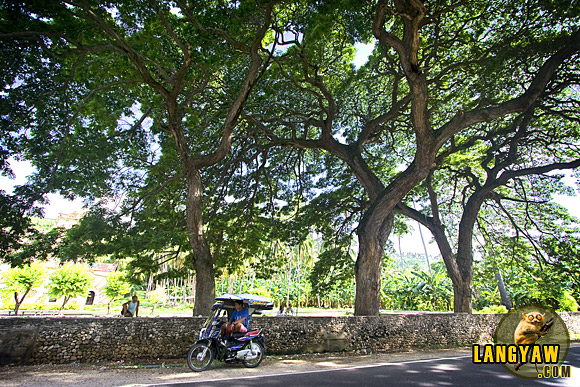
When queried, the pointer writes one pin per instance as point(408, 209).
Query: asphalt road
point(456, 371)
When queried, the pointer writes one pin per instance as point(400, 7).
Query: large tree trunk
point(461, 284)
point(374, 230)
point(462, 296)
point(372, 239)
point(202, 257)
point(459, 267)
point(462, 302)
point(461, 279)
point(204, 285)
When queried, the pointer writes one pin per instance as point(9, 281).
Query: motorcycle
point(247, 348)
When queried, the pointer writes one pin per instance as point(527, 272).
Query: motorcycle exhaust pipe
point(246, 354)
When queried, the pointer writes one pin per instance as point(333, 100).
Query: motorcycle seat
point(238, 335)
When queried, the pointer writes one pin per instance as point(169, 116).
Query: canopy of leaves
point(87, 92)
point(70, 280)
point(563, 257)
point(473, 56)
point(116, 285)
point(99, 128)
point(22, 279)
point(332, 271)
point(14, 223)
point(527, 280)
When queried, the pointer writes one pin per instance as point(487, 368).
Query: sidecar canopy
point(254, 303)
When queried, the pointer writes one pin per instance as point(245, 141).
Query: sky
point(57, 204)
point(362, 53)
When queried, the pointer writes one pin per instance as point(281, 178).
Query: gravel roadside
point(119, 374)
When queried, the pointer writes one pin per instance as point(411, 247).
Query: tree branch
point(236, 108)
point(515, 105)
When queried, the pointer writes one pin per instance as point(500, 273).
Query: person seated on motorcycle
point(238, 323)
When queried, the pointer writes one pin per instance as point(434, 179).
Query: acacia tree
point(116, 285)
point(69, 281)
point(178, 74)
point(438, 71)
point(19, 281)
point(509, 161)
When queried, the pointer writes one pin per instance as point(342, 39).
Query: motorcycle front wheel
point(199, 357)
point(258, 350)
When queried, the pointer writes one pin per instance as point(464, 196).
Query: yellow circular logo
point(532, 342)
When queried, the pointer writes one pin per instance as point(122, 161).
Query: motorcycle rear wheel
point(199, 357)
point(253, 363)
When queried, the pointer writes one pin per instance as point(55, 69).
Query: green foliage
point(24, 278)
point(417, 290)
point(98, 233)
point(563, 257)
point(333, 271)
point(117, 285)
point(87, 98)
point(137, 100)
point(70, 280)
point(527, 280)
point(73, 305)
point(39, 246)
point(259, 290)
point(23, 238)
point(157, 296)
point(500, 309)
point(43, 225)
point(15, 221)
point(19, 281)
point(567, 303)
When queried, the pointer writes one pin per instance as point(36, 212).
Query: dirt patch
point(120, 374)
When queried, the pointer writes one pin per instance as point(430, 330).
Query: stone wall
point(89, 340)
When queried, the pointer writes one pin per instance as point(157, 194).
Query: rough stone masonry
point(45, 340)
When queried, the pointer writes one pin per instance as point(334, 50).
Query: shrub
point(71, 280)
point(157, 296)
point(567, 303)
point(501, 309)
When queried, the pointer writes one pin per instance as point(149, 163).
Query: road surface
point(454, 371)
point(414, 368)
